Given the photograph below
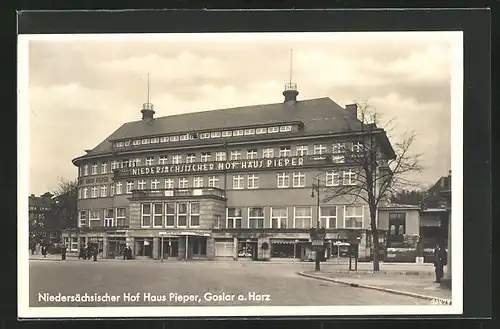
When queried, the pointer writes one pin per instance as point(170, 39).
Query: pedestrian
point(125, 252)
point(440, 261)
point(33, 247)
point(44, 251)
point(63, 252)
point(38, 248)
point(94, 253)
point(81, 253)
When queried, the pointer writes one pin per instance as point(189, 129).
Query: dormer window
point(163, 139)
point(145, 141)
point(249, 131)
point(155, 140)
point(174, 138)
point(136, 142)
point(184, 137)
point(237, 132)
point(215, 134)
point(273, 130)
point(127, 143)
point(285, 128)
point(261, 131)
point(204, 135)
point(227, 134)
point(119, 144)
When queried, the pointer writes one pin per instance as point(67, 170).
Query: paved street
point(258, 284)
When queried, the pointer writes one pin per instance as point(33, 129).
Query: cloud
point(81, 91)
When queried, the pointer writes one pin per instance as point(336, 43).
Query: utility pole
point(316, 239)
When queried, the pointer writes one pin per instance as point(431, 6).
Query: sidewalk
point(420, 286)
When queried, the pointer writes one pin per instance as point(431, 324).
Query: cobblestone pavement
point(253, 281)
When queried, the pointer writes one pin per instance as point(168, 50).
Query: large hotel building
point(232, 183)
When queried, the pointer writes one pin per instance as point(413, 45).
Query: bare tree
point(379, 168)
point(64, 205)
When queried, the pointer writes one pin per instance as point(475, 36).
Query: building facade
point(39, 211)
point(232, 183)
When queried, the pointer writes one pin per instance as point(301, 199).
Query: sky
point(80, 91)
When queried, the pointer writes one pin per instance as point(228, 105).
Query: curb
point(437, 300)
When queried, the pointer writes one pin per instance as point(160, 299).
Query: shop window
point(397, 223)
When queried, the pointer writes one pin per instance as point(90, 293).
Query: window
point(162, 160)
point(119, 144)
point(141, 184)
point(112, 190)
point(302, 217)
point(176, 159)
point(205, 157)
point(114, 165)
point(204, 135)
point(169, 214)
point(194, 214)
point(249, 131)
point(182, 214)
point(79, 194)
point(127, 143)
point(283, 180)
point(238, 182)
point(349, 177)
point(256, 217)
point(253, 181)
point(268, 153)
point(227, 134)
point(150, 161)
point(155, 140)
point(74, 243)
point(319, 149)
point(357, 147)
point(234, 217)
point(184, 137)
point(121, 216)
point(108, 218)
point(215, 134)
point(328, 216)
point(145, 215)
point(82, 218)
point(154, 184)
point(94, 218)
point(130, 186)
point(145, 141)
point(169, 183)
point(285, 151)
point(119, 188)
point(338, 153)
point(183, 182)
point(273, 129)
point(252, 154)
point(104, 167)
point(353, 216)
point(136, 142)
point(163, 139)
point(235, 155)
point(302, 150)
point(332, 178)
point(397, 223)
point(259, 131)
point(279, 217)
point(190, 158)
point(157, 215)
point(94, 169)
point(299, 179)
point(285, 128)
point(103, 191)
point(198, 181)
point(220, 156)
point(237, 132)
point(93, 192)
point(174, 138)
point(86, 170)
point(213, 181)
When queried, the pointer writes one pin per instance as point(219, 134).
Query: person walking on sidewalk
point(44, 251)
point(440, 261)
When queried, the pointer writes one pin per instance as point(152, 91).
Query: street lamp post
point(318, 248)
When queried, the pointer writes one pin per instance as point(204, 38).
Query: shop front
point(290, 248)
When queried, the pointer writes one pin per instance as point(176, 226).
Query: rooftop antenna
point(290, 91)
point(148, 89)
point(148, 108)
point(291, 65)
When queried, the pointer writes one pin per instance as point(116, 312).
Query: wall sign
point(92, 180)
point(216, 166)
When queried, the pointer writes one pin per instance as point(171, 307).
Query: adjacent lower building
point(231, 183)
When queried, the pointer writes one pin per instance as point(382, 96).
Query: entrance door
point(198, 247)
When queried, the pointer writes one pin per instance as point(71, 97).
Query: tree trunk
point(376, 265)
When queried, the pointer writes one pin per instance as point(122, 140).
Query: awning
point(286, 241)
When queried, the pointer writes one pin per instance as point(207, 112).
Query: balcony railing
point(180, 192)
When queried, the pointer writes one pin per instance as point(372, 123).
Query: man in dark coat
point(63, 252)
point(440, 261)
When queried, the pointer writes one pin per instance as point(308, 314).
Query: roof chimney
point(147, 108)
point(352, 109)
